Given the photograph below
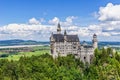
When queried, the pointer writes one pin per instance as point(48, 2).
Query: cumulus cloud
point(36, 31)
point(26, 31)
point(42, 32)
point(70, 19)
point(55, 20)
point(110, 12)
point(34, 21)
point(109, 26)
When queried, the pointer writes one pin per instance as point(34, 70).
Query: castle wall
point(85, 54)
point(65, 48)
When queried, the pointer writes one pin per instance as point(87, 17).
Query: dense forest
point(105, 66)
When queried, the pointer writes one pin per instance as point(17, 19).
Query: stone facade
point(64, 44)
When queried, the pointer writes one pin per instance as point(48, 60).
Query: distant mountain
point(101, 44)
point(31, 42)
point(20, 42)
point(104, 43)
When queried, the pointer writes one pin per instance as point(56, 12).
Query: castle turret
point(51, 38)
point(58, 29)
point(65, 35)
point(95, 42)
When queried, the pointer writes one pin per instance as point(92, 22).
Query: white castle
point(64, 44)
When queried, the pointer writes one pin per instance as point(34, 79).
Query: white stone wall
point(65, 48)
point(95, 45)
point(85, 54)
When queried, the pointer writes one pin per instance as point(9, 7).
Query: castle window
point(74, 47)
point(84, 58)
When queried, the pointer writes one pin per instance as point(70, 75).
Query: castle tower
point(95, 41)
point(52, 40)
point(65, 35)
point(58, 29)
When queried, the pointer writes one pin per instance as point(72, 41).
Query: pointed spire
point(94, 34)
point(65, 36)
point(58, 28)
point(65, 33)
point(58, 25)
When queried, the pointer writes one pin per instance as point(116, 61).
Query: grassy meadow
point(39, 50)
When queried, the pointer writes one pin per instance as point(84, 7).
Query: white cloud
point(110, 12)
point(70, 19)
point(42, 32)
point(107, 29)
point(55, 20)
point(26, 31)
point(34, 21)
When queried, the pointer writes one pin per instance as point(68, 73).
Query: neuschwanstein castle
point(64, 44)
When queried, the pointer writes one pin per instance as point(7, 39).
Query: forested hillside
point(105, 66)
point(21, 42)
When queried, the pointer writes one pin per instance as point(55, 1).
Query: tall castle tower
point(58, 29)
point(52, 41)
point(95, 41)
point(65, 36)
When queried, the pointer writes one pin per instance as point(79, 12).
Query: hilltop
point(20, 42)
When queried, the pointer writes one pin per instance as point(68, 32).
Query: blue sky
point(21, 11)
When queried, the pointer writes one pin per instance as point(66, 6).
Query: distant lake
point(19, 46)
